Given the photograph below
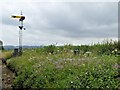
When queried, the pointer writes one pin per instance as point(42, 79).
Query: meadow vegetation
point(91, 66)
point(6, 54)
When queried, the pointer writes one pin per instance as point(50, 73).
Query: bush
point(50, 49)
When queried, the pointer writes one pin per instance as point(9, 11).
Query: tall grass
point(6, 54)
point(106, 47)
point(58, 67)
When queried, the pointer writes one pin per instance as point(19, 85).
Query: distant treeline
point(105, 47)
point(13, 47)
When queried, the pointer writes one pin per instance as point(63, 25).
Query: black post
point(16, 52)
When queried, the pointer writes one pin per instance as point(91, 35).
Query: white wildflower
point(71, 82)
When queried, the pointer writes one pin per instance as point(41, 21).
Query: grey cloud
point(85, 16)
point(8, 21)
point(68, 20)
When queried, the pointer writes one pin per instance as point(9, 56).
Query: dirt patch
point(7, 77)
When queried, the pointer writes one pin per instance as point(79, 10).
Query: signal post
point(21, 18)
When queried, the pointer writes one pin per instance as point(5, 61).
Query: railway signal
point(21, 18)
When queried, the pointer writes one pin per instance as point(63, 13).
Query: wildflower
point(87, 87)
point(112, 51)
point(115, 50)
point(86, 73)
point(87, 53)
point(83, 64)
point(71, 82)
point(47, 57)
point(94, 57)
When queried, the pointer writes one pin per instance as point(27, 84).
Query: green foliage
point(57, 67)
point(50, 49)
point(106, 47)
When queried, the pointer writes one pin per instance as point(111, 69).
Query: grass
point(59, 67)
point(6, 54)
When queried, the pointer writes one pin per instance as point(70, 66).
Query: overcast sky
point(53, 22)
